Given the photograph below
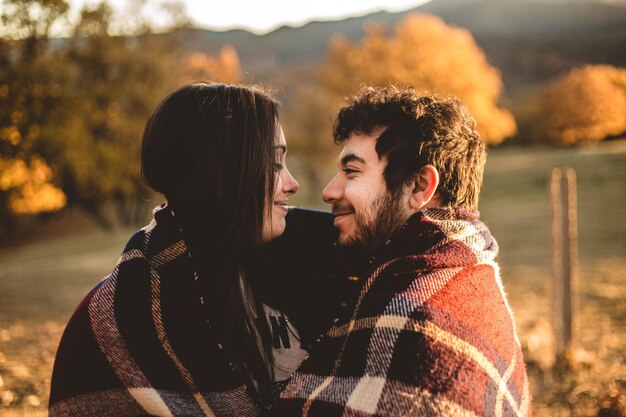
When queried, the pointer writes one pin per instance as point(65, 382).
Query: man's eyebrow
point(352, 158)
point(282, 148)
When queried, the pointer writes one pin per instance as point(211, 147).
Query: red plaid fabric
point(138, 344)
point(431, 333)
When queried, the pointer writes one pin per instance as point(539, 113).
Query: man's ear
point(424, 189)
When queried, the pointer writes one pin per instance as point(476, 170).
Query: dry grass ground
point(41, 282)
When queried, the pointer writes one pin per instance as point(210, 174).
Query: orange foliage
point(586, 104)
point(426, 53)
point(29, 186)
point(222, 68)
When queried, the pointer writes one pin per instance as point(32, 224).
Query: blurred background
point(545, 79)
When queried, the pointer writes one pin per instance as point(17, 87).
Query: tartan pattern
point(431, 334)
point(137, 345)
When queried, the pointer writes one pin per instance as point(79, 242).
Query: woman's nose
point(290, 185)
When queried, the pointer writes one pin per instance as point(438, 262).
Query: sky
point(262, 16)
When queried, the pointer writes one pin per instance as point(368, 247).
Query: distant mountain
point(530, 18)
point(528, 40)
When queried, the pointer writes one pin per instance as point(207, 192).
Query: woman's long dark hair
point(209, 149)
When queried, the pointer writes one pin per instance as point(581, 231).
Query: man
point(431, 332)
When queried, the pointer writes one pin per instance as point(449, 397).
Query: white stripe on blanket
point(366, 394)
point(110, 341)
point(151, 401)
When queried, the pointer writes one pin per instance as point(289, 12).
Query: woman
point(180, 326)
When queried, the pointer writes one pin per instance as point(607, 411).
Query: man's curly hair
point(420, 129)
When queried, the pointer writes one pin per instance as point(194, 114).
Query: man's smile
point(341, 214)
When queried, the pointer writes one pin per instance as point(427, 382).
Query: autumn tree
point(427, 54)
point(224, 67)
point(72, 114)
point(308, 129)
point(118, 80)
point(115, 83)
point(29, 90)
point(586, 104)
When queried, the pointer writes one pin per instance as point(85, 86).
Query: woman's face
point(284, 186)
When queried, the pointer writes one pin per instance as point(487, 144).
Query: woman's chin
point(278, 227)
point(275, 229)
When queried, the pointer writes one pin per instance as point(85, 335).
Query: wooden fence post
point(564, 258)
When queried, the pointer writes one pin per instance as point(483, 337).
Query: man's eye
point(349, 171)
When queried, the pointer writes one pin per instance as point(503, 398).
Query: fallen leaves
point(26, 358)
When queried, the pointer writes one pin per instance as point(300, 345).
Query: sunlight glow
point(263, 17)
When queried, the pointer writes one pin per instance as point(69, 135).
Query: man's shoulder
point(459, 296)
point(403, 278)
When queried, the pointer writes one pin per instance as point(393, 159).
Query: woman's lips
point(281, 205)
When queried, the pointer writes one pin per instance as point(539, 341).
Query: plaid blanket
point(138, 344)
point(431, 333)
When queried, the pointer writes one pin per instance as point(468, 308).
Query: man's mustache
point(344, 208)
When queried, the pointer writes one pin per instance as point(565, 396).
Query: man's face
point(366, 213)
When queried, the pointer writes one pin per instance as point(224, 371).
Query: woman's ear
point(424, 189)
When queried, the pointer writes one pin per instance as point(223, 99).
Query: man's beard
point(375, 225)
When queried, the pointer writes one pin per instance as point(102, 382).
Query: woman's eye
point(278, 166)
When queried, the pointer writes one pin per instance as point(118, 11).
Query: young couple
point(229, 303)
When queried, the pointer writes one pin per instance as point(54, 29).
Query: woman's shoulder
point(138, 240)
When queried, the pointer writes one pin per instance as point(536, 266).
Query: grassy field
point(41, 282)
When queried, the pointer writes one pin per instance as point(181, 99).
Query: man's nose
point(333, 191)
